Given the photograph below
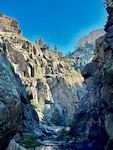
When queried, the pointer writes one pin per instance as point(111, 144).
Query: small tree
point(40, 42)
point(56, 117)
point(55, 48)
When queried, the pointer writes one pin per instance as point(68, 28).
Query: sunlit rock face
point(84, 52)
point(8, 24)
point(49, 78)
point(91, 38)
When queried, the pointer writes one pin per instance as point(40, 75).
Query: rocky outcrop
point(83, 56)
point(10, 102)
point(85, 49)
point(51, 85)
point(56, 90)
point(49, 78)
point(96, 128)
point(91, 38)
point(15, 109)
point(8, 24)
point(67, 93)
point(14, 146)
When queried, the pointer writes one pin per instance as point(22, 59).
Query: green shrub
point(56, 117)
point(73, 127)
point(29, 141)
point(65, 134)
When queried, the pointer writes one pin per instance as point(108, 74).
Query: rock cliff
point(16, 113)
point(10, 102)
point(91, 38)
point(97, 119)
point(50, 79)
point(15, 109)
point(84, 52)
point(8, 24)
point(51, 85)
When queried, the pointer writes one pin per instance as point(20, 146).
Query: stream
point(51, 144)
point(52, 148)
point(49, 148)
point(56, 146)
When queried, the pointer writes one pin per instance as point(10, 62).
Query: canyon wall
point(49, 82)
point(96, 116)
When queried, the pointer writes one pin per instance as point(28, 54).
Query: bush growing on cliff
point(56, 117)
point(40, 42)
point(29, 141)
point(63, 135)
point(55, 49)
point(69, 131)
point(73, 127)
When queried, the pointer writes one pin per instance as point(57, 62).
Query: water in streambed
point(52, 148)
point(49, 148)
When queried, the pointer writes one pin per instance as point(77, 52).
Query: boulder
point(10, 102)
point(14, 146)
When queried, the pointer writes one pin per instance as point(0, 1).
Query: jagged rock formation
point(10, 102)
point(97, 120)
point(91, 38)
point(55, 89)
point(85, 48)
point(8, 24)
point(108, 3)
point(83, 56)
point(15, 109)
point(50, 79)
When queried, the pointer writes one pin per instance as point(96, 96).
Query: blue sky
point(60, 22)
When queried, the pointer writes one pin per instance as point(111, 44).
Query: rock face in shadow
point(97, 119)
point(10, 102)
point(16, 113)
